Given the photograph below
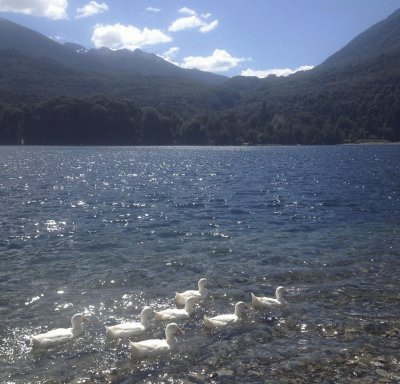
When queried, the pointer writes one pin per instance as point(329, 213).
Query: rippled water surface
point(109, 230)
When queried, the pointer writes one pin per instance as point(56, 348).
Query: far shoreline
point(247, 145)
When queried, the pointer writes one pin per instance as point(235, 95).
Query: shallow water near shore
point(110, 230)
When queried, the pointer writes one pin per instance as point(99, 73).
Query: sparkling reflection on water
point(109, 230)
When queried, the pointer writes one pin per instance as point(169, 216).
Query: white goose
point(60, 335)
point(177, 313)
point(129, 329)
point(269, 302)
point(221, 321)
point(154, 347)
point(180, 298)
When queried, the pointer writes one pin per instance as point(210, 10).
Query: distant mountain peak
point(139, 53)
point(105, 60)
point(383, 38)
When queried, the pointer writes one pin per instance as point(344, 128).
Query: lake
point(108, 230)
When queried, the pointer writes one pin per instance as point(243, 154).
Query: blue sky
point(230, 37)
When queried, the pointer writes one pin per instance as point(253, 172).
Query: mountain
point(32, 44)
point(14, 37)
point(138, 62)
point(69, 95)
point(381, 39)
point(352, 96)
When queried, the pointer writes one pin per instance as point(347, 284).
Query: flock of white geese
point(153, 347)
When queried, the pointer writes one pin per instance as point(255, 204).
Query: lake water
point(109, 230)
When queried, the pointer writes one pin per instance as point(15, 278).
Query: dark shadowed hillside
point(380, 40)
point(145, 64)
point(32, 44)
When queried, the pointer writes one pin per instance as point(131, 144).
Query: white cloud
point(187, 11)
point(191, 22)
point(219, 61)
point(170, 54)
point(90, 9)
point(57, 38)
point(275, 71)
point(120, 36)
point(209, 27)
point(153, 9)
point(187, 22)
point(52, 9)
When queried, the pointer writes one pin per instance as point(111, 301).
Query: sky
point(229, 37)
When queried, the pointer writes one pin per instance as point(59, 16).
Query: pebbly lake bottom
point(108, 231)
point(341, 323)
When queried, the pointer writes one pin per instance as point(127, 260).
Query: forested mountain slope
point(33, 45)
point(380, 40)
point(353, 96)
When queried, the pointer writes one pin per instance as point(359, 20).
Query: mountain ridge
point(352, 96)
point(31, 43)
point(380, 39)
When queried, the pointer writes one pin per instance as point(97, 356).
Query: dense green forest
point(353, 104)
point(330, 116)
point(354, 96)
point(356, 104)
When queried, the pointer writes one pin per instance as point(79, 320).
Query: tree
point(194, 133)
point(11, 125)
point(156, 128)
